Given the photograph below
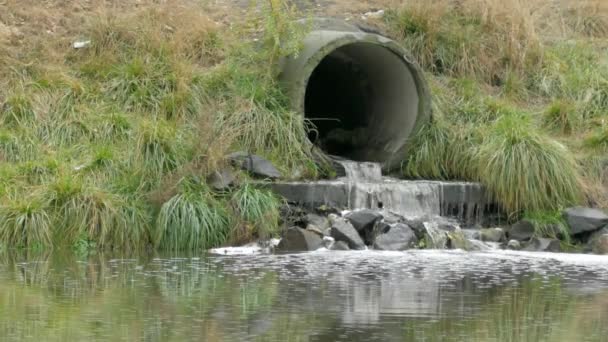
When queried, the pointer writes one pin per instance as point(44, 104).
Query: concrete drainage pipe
point(361, 90)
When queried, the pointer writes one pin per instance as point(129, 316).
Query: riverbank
point(116, 120)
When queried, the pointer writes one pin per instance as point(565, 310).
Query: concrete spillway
point(464, 201)
point(362, 91)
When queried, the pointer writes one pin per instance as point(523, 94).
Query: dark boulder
point(521, 231)
point(417, 225)
point(399, 237)
point(364, 220)
point(341, 230)
point(255, 164)
point(584, 220)
point(543, 245)
point(300, 240)
point(221, 180)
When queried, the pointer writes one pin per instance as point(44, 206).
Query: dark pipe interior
point(338, 101)
point(363, 100)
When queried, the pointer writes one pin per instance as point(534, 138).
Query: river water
point(319, 296)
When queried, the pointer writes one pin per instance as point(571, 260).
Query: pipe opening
point(363, 100)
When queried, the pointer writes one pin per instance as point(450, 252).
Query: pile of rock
point(382, 230)
point(359, 230)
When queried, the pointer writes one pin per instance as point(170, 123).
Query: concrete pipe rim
point(298, 85)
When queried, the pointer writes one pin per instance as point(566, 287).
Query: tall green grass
point(259, 210)
point(192, 220)
point(526, 170)
point(25, 222)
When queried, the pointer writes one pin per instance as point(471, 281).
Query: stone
point(492, 235)
point(543, 245)
point(399, 237)
point(522, 231)
point(221, 180)
point(255, 164)
point(514, 245)
point(584, 220)
point(342, 230)
point(315, 229)
point(417, 226)
point(364, 220)
point(319, 221)
point(300, 240)
point(598, 242)
point(340, 246)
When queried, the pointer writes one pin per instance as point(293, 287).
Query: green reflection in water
point(58, 297)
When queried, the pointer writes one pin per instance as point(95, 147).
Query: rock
point(543, 245)
point(392, 218)
point(598, 242)
point(341, 230)
point(300, 240)
point(514, 245)
point(522, 231)
point(340, 246)
point(318, 221)
point(582, 220)
point(448, 227)
point(492, 235)
point(417, 226)
point(399, 237)
point(315, 229)
point(255, 165)
point(364, 220)
point(221, 180)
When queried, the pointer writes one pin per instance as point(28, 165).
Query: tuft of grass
point(17, 111)
point(259, 210)
point(191, 220)
point(441, 151)
point(526, 170)
point(549, 224)
point(25, 223)
point(108, 219)
point(158, 149)
point(562, 116)
point(598, 139)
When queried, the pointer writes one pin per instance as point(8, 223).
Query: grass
point(25, 223)
point(164, 92)
point(549, 224)
point(259, 210)
point(520, 94)
point(192, 220)
point(525, 170)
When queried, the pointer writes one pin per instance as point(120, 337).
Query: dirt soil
point(48, 18)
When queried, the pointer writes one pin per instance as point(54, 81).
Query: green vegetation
point(95, 143)
point(520, 94)
point(108, 139)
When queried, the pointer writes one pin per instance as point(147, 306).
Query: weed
point(549, 224)
point(25, 222)
point(562, 116)
point(526, 170)
point(191, 220)
point(259, 209)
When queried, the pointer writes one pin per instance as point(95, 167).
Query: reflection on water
point(322, 296)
